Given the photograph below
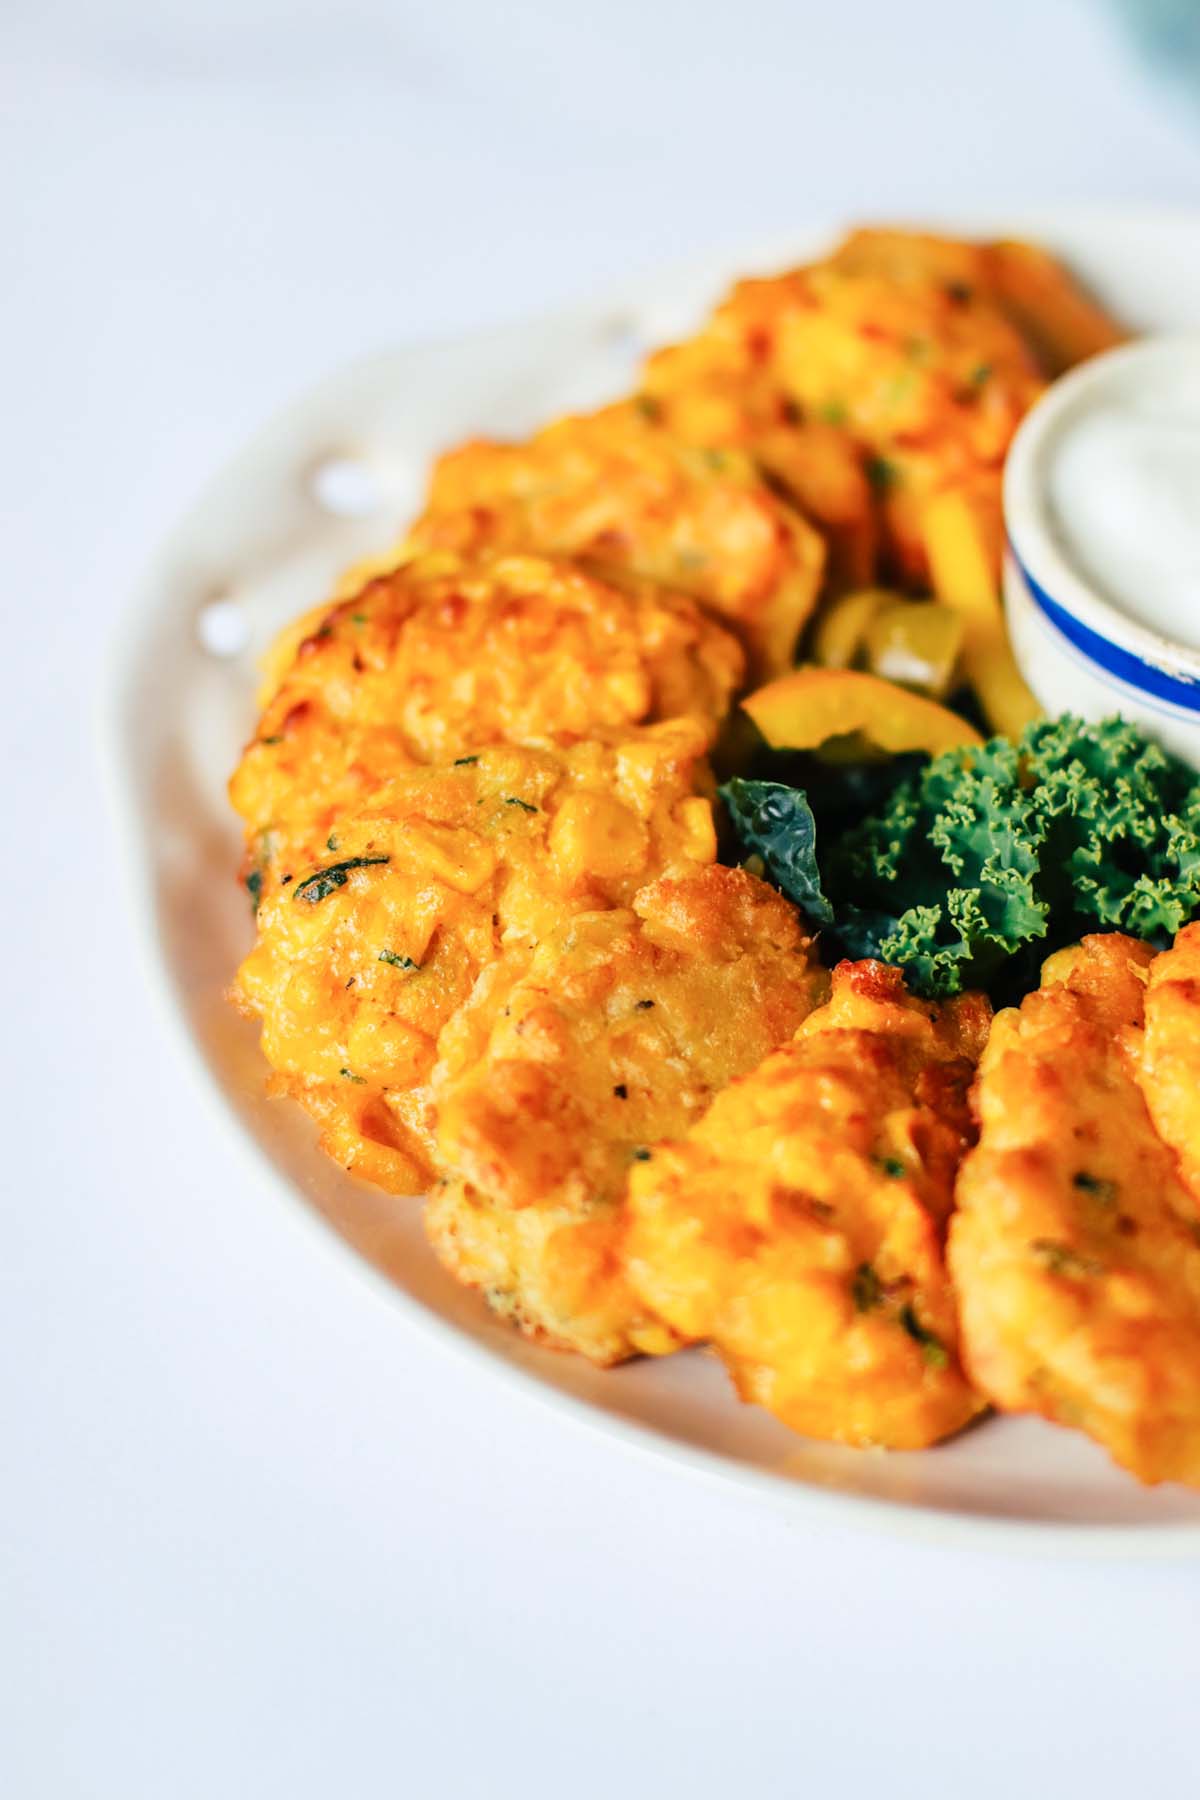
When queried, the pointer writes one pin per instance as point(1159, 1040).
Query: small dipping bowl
point(1106, 468)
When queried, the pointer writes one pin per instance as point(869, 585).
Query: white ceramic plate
point(334, 479)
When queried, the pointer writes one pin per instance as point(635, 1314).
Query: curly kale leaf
point(1012, 847)
point(978, 865)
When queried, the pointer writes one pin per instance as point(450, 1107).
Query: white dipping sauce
point(1123, 484)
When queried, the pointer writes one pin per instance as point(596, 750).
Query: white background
point(256, 1537)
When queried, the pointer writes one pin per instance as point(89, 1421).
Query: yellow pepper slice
point(963, 578)
point(802, 710)
point(841, 630)
point(916, 643)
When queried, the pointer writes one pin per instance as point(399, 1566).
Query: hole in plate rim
point(222, 628)
point(346, 484)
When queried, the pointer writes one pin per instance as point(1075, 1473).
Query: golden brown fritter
point(1076, 1248)
point(1170, 1066)
point(441, 656)
point(361, 960)
point(555, 1080)
point(616, 490)
point(1040, 297)
point(898, 341)
point(711, 391)
point(799, 1226)
point(1049, 307)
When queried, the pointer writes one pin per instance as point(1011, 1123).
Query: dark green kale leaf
point(776, 823)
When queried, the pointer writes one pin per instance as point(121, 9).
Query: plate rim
point(793, 1496)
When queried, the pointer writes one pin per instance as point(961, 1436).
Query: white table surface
point(257, 1537)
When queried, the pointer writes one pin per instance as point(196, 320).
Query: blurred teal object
point(1168, 31)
